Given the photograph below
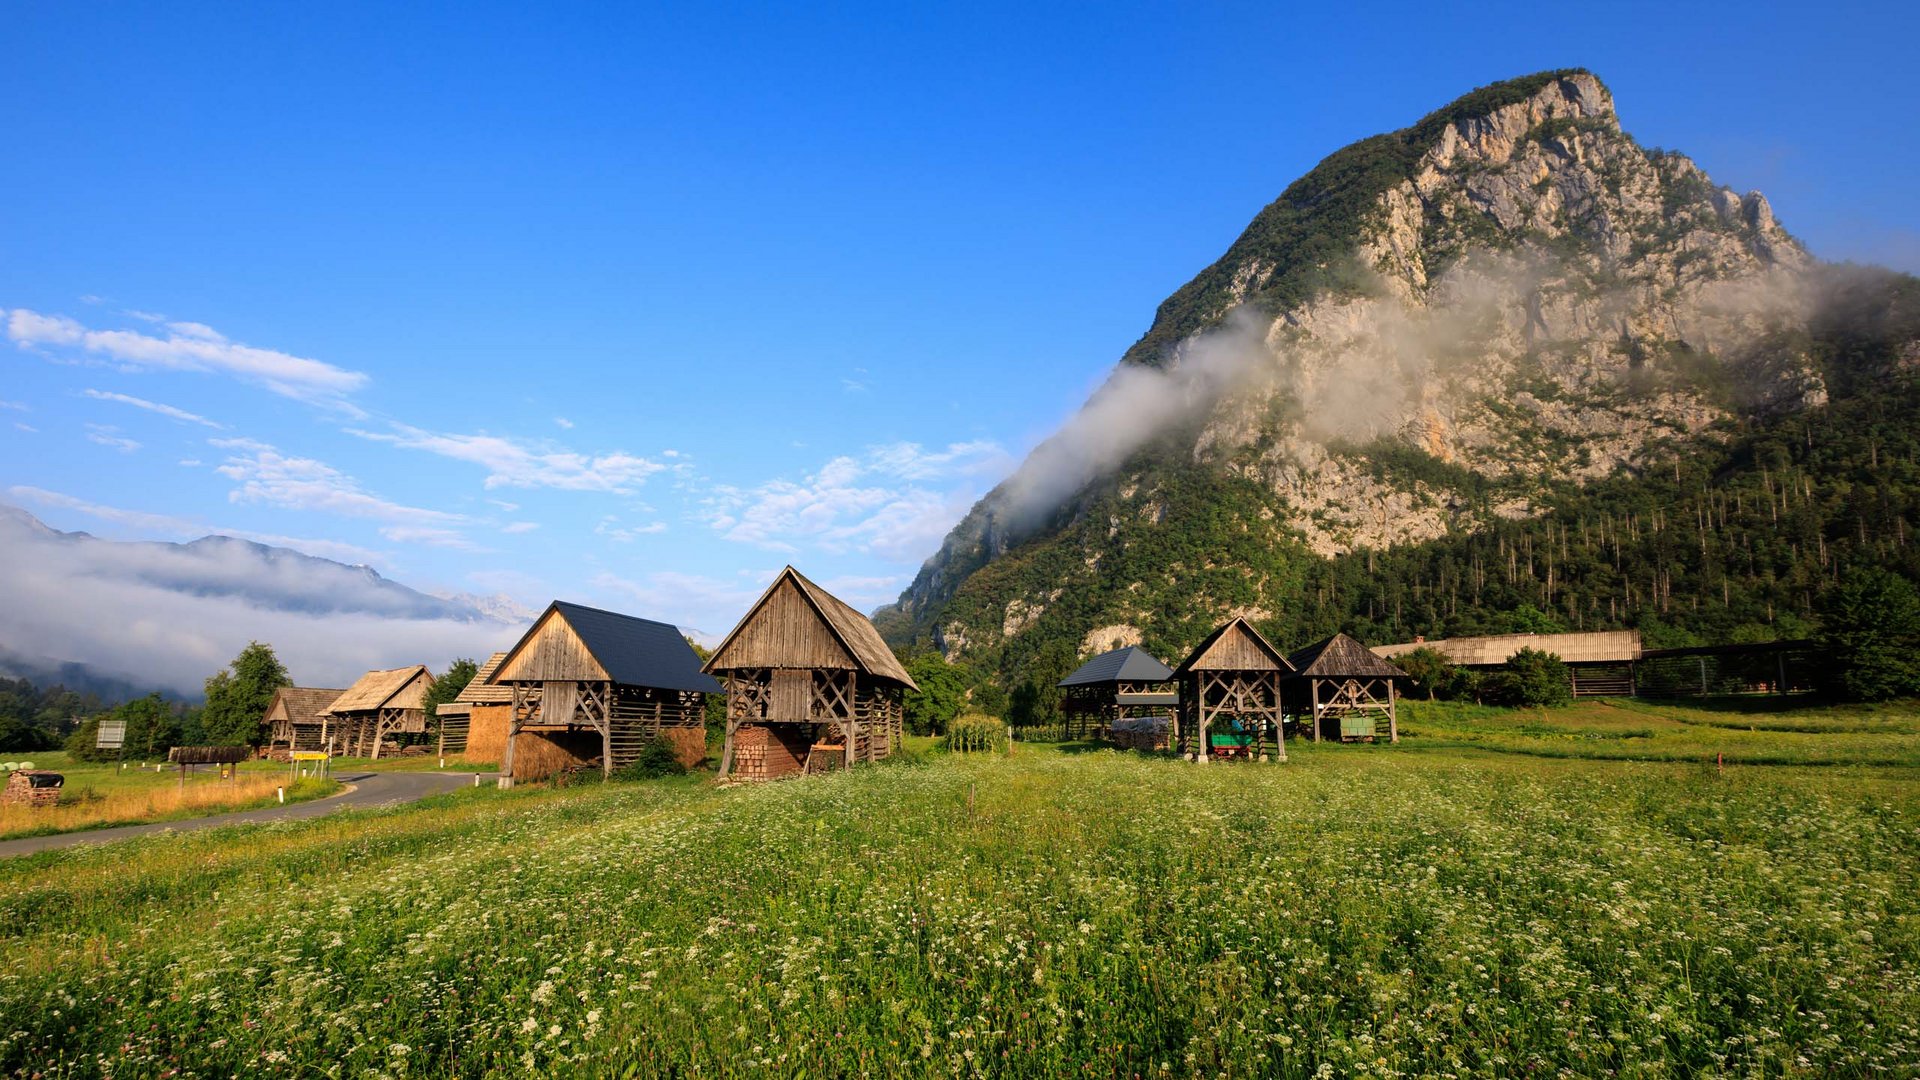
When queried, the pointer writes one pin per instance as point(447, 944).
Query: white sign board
point(112, 736)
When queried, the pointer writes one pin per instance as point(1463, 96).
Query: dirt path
point(369, 789)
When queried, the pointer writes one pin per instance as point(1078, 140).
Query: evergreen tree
point(1871, 631)
point(238, 698)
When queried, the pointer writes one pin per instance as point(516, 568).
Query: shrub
point(1871, 631)
point(657, 758)
point(1533, 677)
point(977, 732)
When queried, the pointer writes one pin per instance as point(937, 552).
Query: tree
point(448, 686)
point(1534, 677)
point(1870, 629)
point(942, 693)
point(1429, 667)
point(151, 731)
point(238, 698)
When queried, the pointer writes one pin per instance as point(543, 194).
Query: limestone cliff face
point(1513, 288)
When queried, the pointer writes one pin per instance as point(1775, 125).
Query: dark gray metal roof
point(1168, 698)
point(636, 651)
point(1131, 664)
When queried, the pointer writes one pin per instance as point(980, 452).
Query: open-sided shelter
point(1346, 689)
point(585, 684)
point(809, 684)
point(1124, 684)
point(293, 719)
point(477, 730)
point(378, 704)
point(1230, 696)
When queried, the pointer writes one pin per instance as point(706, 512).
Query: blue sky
point(632, 305)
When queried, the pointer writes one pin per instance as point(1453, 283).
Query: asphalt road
point(369, 789)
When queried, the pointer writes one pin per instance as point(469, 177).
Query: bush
point(657, 758)
point(977, 732)
point(1870, 630)
point(1532, 677)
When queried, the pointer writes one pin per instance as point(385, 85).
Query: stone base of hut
point(32, 787)
point(770, 751)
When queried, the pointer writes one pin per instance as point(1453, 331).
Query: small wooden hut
point(1230, 696)
point(477, 730)
point(809, 684)
point(1345, 689)
point(294, 721)
point(586, 685)
point(1124, 684)
point(379, 704)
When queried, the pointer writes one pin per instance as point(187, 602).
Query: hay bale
point(540, 754)
point(487, 734)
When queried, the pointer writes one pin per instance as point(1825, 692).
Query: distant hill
point(122, 616)
point(1505, 367)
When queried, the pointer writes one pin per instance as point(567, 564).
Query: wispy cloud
point(15, 406)
point(430, 536)
point(513, 463)
point(185, 528)
point(564, 423)
point(265, 475)
point(885, 502)
point(108, 435)
point(613, 530)
point(153, 407)
point(186, 346)
point(515, 528)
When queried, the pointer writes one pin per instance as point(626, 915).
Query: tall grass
point(1369, 912)
point(85, 806)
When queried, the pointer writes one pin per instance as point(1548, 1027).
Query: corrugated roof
point(304, 704)
point(634, 651)
point(1130, 664)
point(851, 628)
point(377, 690)
point(1592, 646)
point(1341, 657)
point(482, 690)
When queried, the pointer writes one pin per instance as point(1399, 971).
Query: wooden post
point(1313, 716)
point(1393, 713)
point(513, 732)
point(1206, 720)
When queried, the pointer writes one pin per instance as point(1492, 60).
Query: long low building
point(1600, 661)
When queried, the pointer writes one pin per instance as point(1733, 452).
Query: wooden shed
point(293, 719)
point(588, 685)
point(809, 685)
point(1230, 696)
point(1346, 690)
point(477, 730)
point(379, 704)
point(1124, 684)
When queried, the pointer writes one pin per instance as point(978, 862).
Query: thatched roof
point(1235, 646)
point(848, 628)
point(1341, 657)
point(302, 704)
point(394, 688)
point(1131, 664)
point(482, 690)
point(453, 708)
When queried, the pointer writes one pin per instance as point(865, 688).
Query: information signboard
point(112, 735)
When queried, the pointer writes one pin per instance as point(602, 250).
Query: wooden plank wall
point(784, 632)
point(1236, 651)
point(551, 650)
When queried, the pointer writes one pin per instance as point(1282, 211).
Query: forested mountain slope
point(1503, 365)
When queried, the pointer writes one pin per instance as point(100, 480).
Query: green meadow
point(1484, 899)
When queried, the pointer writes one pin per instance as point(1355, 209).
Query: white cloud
point(28, 428)
point(853, 386)
point(153, 407)
point(511, 463)
point(267, 476)
point(504, 505)
point(191, 463)
point(108, 435)
point(613, 530)
point(15, 406)
point(169, 615)
point(515, 528)
point(184, 528)
point(881, 502)
point(564, 422)
point(187, 347)
point(429, 536)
